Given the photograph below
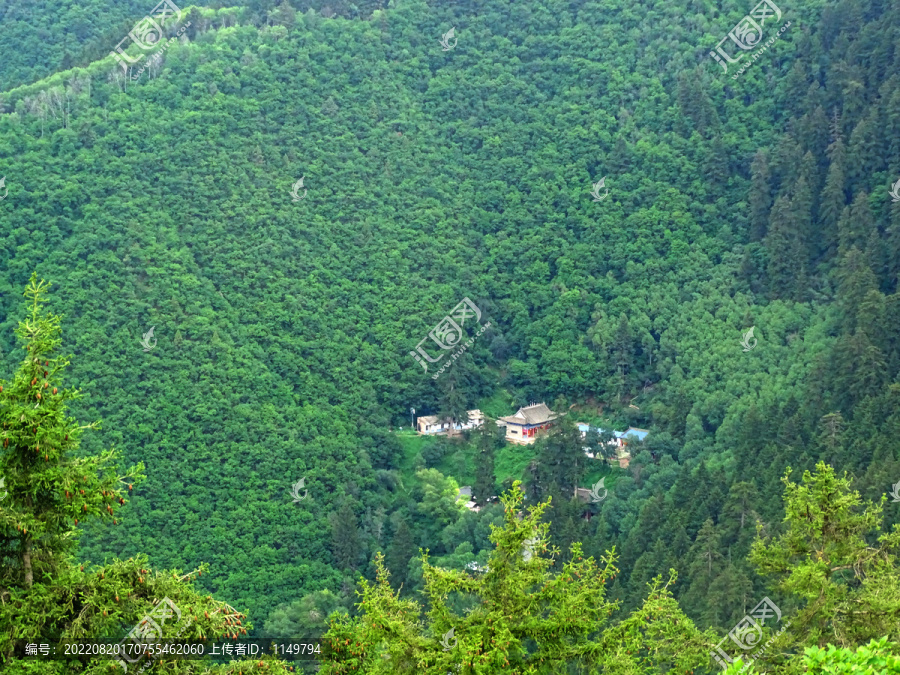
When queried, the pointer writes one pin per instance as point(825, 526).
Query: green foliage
point(49, 485)
point(48, 488)
point(878, 656)
point(831, 557)
point(304, 618)
point(518, 616)
point(284, 327)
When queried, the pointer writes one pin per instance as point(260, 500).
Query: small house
point(433, 424)
point(465, 493)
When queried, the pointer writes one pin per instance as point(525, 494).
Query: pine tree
point(705, 554)
point(452, 401)
point(862, 152)
point(51, 491)
point(485, 485)
point(876, 257)
point(38, 440)
point(522, 618)
point(345, 544)
point(832, 200)
point(831, 436)
point(760, 195)
point(860, 369)
point(813, 134)
point(716, 166)
point(400, 552)
point(783, 251)
point(855, 224)
point(855, 280)
point(739, 509)
point(802, 203)
point(619, 162)
point(304, 618)
point(622, 355)
point(731, 590)
point(786, 160)
point(561, 458)
point(796, 80)
point(830, 556)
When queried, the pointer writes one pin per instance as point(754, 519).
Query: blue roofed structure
point(630, 432)
point(621, 439)
point(633, 432)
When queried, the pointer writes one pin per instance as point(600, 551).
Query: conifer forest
point(419, 337)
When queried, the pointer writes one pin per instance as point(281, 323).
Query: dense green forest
point(238, 332)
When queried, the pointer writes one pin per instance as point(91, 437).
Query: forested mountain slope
point(45, 36)
point(284, 327)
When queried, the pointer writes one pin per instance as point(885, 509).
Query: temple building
point(528, 423)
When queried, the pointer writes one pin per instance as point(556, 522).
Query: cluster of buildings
point(523, 428)
point(531, 422)
point(432, 424)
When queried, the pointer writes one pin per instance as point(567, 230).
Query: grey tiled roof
point(533, 414)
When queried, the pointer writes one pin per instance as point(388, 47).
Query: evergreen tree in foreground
point(843, 578)
point(521, 618)
point(48, 491)
point(848, 581)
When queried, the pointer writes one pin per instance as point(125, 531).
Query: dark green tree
point(345, 541)
point(486, 442)
point(760, 196)
point(833, 559)
point(832, 200)
point(400, 552)
point(452, 405)
point(783, 251)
